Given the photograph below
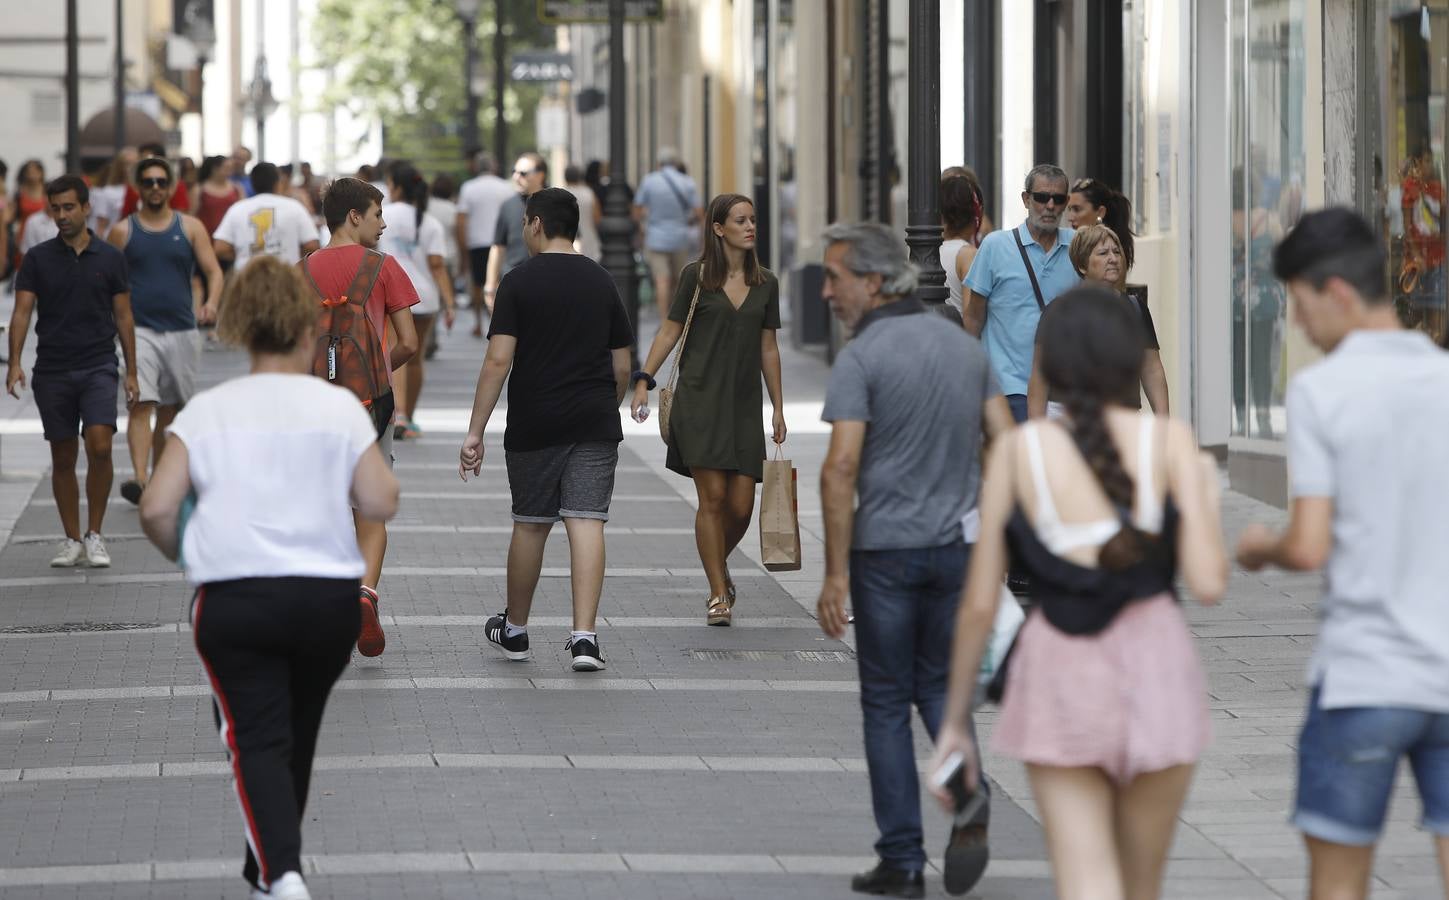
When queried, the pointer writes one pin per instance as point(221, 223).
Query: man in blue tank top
point(164, 249)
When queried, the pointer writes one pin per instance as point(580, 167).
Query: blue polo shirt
point(998, 274)
point(75, 325)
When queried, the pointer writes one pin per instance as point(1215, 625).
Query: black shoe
point(586, 655)
point(516, 647)
point(1019, 585)
point(967, 853)
point(885, 881)
point(131, 490)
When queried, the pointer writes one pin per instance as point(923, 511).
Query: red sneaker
point(370, 640)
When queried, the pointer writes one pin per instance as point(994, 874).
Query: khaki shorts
point(166, 365)
point(667, 262)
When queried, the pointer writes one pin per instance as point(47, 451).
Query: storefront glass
point(1412, 40)
point(1268, 129)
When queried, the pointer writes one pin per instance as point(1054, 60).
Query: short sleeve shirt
point(333, 268)
point(75, 294)
point(271, 458)
point(998, 274)
point(566, 314)
point(1368, 427)
point(670, 197)
point(411, 243)
point(267, 224)
point(920, 384)
point(480, 199)
point(509, 234)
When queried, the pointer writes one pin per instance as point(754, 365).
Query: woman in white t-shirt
point(275, 460)
point(419, 243)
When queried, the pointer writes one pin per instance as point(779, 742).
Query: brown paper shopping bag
point(779, 516)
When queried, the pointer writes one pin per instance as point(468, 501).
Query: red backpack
point(350, 352)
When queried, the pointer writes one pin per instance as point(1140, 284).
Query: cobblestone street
point(703, 763)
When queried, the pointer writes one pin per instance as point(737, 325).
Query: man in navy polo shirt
point(78, 285)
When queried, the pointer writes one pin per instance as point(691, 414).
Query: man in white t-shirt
point(1368, 433)
point(479, 201)
point(266, 223)
point(39, 227)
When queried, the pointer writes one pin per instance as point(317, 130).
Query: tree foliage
point(402, 60)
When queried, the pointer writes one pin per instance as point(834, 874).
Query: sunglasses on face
point(155, 182)
point(1044, 198)
point(523, 173)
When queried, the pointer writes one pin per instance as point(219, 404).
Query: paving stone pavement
point(704, 763)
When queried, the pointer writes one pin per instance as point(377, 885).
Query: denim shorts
point(570, 481)
point(1347, 763)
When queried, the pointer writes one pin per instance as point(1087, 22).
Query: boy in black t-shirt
point(560, 326)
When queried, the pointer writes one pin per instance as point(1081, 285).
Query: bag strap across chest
point(362, 283)
point(1030, 272)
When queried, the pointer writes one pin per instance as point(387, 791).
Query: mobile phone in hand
point(952, 775)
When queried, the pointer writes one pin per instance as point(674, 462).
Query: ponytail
point(1118, 217)
point(414, 188)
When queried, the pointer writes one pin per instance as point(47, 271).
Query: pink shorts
point(1128, 700)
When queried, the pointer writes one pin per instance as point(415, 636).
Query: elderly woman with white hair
point(726, 311)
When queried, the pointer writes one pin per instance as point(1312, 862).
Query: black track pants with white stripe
point(272, 648)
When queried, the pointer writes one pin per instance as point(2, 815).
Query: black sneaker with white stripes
point(586, 655)
point(516, 647)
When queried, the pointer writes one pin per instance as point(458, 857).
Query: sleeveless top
point(212, 208)
point(1081, 599)
point(161, 264)
point(949, 249)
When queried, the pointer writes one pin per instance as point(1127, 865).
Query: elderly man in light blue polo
point(1014, 276)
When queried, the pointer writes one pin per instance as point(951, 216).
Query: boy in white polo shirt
point(1368, 434)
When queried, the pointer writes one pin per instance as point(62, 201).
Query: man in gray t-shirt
point(530, 175)
point(1368, 434)
point(908, 400)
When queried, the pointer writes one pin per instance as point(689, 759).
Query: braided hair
point(1091, 352)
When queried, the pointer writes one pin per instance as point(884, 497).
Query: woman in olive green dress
point(718, 438)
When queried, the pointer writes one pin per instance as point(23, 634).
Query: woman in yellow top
point(718, 438)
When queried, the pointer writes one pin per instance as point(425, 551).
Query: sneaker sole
point(588, 664)
point(69, 565)
point(514, 655)
point(965, 860)
point(371, 640)
point(105, 564)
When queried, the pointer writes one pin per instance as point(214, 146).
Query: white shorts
point(166, 365)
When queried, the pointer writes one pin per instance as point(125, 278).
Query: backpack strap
point(366, 277)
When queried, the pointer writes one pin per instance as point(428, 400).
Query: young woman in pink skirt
point(1105, 701)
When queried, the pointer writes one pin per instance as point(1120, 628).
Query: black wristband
point(641, 375)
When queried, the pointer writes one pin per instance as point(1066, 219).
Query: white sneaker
point(96, 554)
point(289, 887)
point(70, 554)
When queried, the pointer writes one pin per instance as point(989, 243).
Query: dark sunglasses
point(155, 182)
point(523, 173)
point(1043, 198)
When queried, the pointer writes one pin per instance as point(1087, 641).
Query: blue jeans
point(1017, 402)
point(905, 617)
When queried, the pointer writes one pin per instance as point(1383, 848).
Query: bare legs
point(99, 474)
point(372, 542)
point(145, 443)
point(664, 294)
point(1107, 841)
point(586, 565)
point(408, 381)
point(726, 506)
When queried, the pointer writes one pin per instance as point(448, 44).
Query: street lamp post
point(260, 91)
point(923, 231)
point(500, 79)
point(119, 84)
point(203, 39)
point(72, 89)
point(468, 15)
point(616, 229)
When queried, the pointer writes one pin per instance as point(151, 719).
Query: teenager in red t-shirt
point(354, 216)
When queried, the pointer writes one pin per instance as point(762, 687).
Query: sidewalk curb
point(16, 491)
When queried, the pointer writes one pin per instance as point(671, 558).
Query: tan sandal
point(730, 592)
point(718, 611)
